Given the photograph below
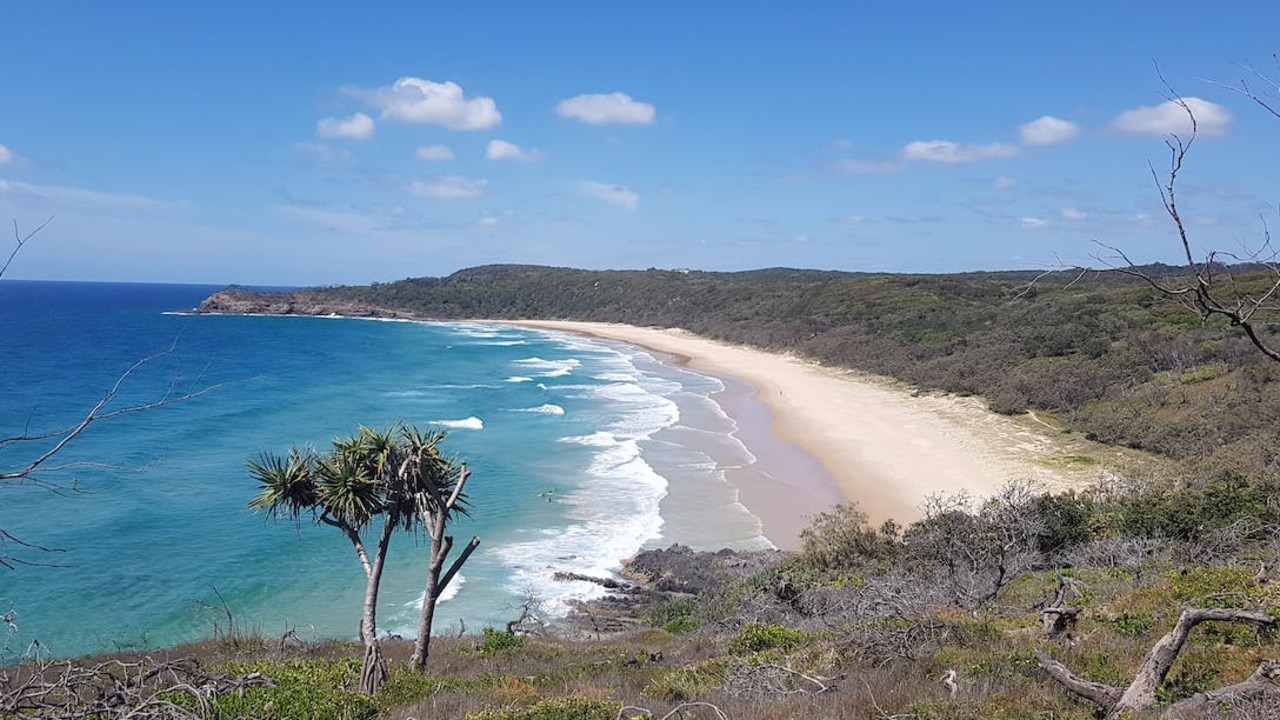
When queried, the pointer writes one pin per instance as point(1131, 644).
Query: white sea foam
point(409, 625)
point(550, 368)
point(617, 377)
point(426, 390)
point(471, 423)
point(596, 439)
point(502, 343)
point(475, 331)
point(519, 379)
point(611, 517)
point(547, 409)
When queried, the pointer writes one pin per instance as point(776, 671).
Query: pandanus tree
point(398, 476)
point(439, 485)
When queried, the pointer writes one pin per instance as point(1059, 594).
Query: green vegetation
point(557, 709)
point(940, 618)
point(976, 610)
point(303, 689)
point(398, 476)
point(1104, 355)
point(865, 626)
point(758, 637)
point(496, 641)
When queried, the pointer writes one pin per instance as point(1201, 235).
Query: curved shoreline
point(887, 448)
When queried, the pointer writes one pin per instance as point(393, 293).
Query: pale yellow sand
point(887, 447)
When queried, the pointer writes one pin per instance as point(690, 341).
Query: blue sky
point(336, 142)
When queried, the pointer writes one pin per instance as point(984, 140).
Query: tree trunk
point(435, 515)
point(1259, 688)
point(374, 671)
point(1141, 693)
point(440, 547)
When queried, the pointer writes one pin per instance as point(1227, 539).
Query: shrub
point(305, 689)
point(839, 539)
point(675, 616)
point(758, 637)
point(572, 708)
point(1131, 624)
point(1066, 520)
point(688, 682)
point(1191, 514)
point(496, 641)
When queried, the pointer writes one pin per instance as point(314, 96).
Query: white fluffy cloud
point(607, 109)
point(946, 151)
point(434, 153)
point(448, 187)
point(1033, 222)
point(6, 155)
point(619, 195)
point(1047, 130)
point(503, 150)
point(1170, 117)
point(414, 100)
point(1073, 214)
point(356, 127)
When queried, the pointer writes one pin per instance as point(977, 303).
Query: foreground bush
point(304, 690)
point(556, 709)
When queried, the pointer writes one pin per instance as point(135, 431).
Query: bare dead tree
point(1140, 695)
point(532, 615)
point(976, 554)
point(1212, 288)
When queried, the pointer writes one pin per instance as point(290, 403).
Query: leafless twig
point(20, 240)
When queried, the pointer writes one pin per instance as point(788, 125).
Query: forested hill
point(1103, 353)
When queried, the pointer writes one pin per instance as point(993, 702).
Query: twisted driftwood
point(1140, 695)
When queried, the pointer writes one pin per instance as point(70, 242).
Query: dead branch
point(19, 240)
point(759, 679)
point(1141, 693)
point(1057, 616)
point(678, 711)
point(1104, 696)
point(117, 689)
point(47, 446)
point(102, 410)
point(1210, 291)
point(1258, 688)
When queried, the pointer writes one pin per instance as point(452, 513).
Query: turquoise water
point(573, 445)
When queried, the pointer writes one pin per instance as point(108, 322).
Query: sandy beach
point(886, 447)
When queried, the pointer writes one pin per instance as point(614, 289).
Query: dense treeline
point(1103, 353)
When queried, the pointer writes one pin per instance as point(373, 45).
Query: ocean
point(582, 453)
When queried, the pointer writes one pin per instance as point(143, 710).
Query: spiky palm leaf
point(348, 492)
point(286, 485)
point(430, 475)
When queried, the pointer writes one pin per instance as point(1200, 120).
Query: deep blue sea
point(573, 444)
